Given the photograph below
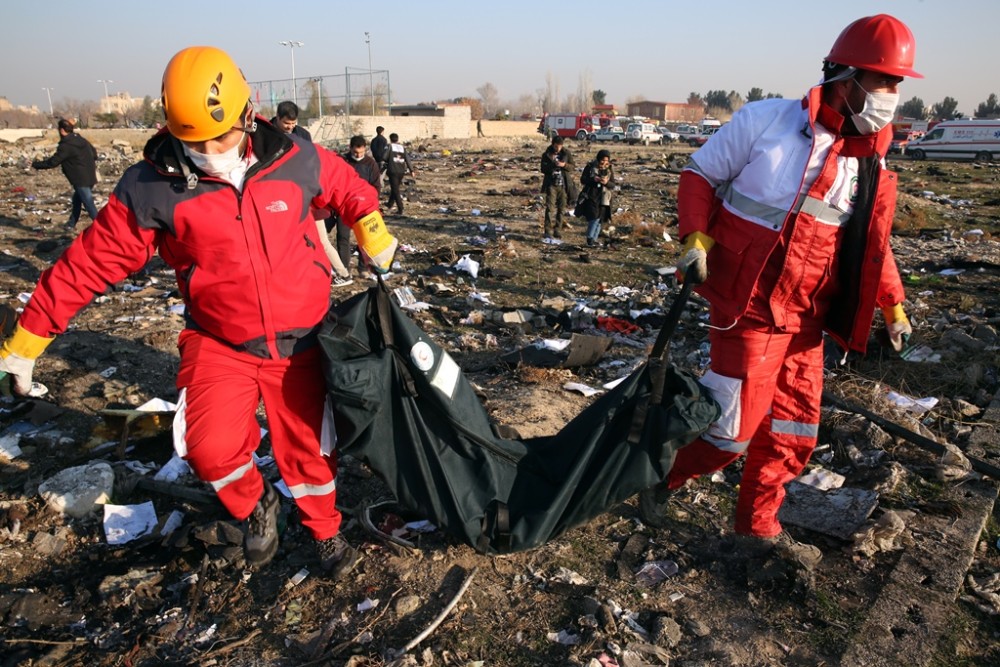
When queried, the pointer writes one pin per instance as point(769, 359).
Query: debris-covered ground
point(911, 568)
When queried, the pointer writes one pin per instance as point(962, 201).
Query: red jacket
point(249, 265)
point(774, 189)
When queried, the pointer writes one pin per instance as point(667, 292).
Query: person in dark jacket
point(286, 119)
point(557, 164)
point(78, 160)
point(227, 200)
point(369, 170)
point(397, 165)
point(597, 176)
point(379, 146)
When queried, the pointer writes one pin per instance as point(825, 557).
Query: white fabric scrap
point(9, 447)
point(563, 637)
point(915, 405)
point(822, 479)
point(469, 265)
point(124, 523)
point(581, 388)
point(367, 604)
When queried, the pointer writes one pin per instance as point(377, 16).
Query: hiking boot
point(261, 540)
point(783, 545)
point(336, 556)
point(653, 505)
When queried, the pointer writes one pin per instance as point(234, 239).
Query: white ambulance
point(964, 139)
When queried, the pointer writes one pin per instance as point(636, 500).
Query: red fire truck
point(573, 125)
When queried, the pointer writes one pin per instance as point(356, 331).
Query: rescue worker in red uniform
point(785, 215)
point(226, 199)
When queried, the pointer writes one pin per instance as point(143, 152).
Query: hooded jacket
point(780, 243)
point(248, 262)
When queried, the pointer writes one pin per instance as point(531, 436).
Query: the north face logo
point(277, 206)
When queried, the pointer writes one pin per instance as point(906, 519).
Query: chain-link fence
point(356, 92)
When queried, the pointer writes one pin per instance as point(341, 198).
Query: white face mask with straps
point(229, 165)
point(877, 112)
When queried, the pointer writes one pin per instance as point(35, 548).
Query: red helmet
point(880, 43)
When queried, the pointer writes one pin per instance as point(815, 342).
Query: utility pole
point(319, 93)
point(108, 102)
point(291, 47)
point(48, 93)
point(371, 76)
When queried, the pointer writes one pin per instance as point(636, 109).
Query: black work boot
point(653, 504)
point(261, 540)
point(782, 545)
point(336, 556)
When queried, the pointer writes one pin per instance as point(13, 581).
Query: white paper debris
point(124, 523)
point(581, 388)
point(915, 405)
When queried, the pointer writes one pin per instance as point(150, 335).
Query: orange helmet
point(880, 43)
point(203, 93)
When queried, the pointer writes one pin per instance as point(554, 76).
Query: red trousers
point(216, 427)
point(769, 385)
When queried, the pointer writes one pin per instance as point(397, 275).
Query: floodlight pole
point(371, 76)
point(48, 93)
point(106, 82)
point(291, 47)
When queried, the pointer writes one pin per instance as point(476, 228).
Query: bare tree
point(583, 93)
point(490, 99)
point(551, 94)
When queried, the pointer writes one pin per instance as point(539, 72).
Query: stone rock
point(407, 604)
point(77, 492)
point(666, 631)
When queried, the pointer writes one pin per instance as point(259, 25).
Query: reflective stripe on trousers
point(773, 417)
point(222, 389)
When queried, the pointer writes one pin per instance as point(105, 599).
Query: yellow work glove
point(17, 359)
point(693, 265)
point(376, 244)
point(897, 326)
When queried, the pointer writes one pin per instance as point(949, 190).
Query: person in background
point(227, 199)
point(78, 160)
point(786, 214)
point(368, 169)
point(397, 165)
point(596, 182)
point(379, 146)
point(557, 164)
point(286, 119)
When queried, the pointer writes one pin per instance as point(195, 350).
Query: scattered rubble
point(524, 319)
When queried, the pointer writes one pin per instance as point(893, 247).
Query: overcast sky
point(659, 50)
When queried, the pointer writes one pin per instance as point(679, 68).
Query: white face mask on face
point(877, 113)
point(229, 166)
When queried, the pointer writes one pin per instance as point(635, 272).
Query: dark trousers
point(395, 193)
point(82, 198)
point(344, 244)
point(555, 208)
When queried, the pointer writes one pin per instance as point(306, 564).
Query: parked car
point(668, 135)
point(642, 133)
point(699, 139)
point(685, 132)
point(901, 138)
point(609, 133)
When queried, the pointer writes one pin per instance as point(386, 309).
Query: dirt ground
point(67, 597)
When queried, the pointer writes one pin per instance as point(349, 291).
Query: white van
point(969, 139)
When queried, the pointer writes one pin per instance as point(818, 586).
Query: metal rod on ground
point(440, 617)
point(979, 465)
